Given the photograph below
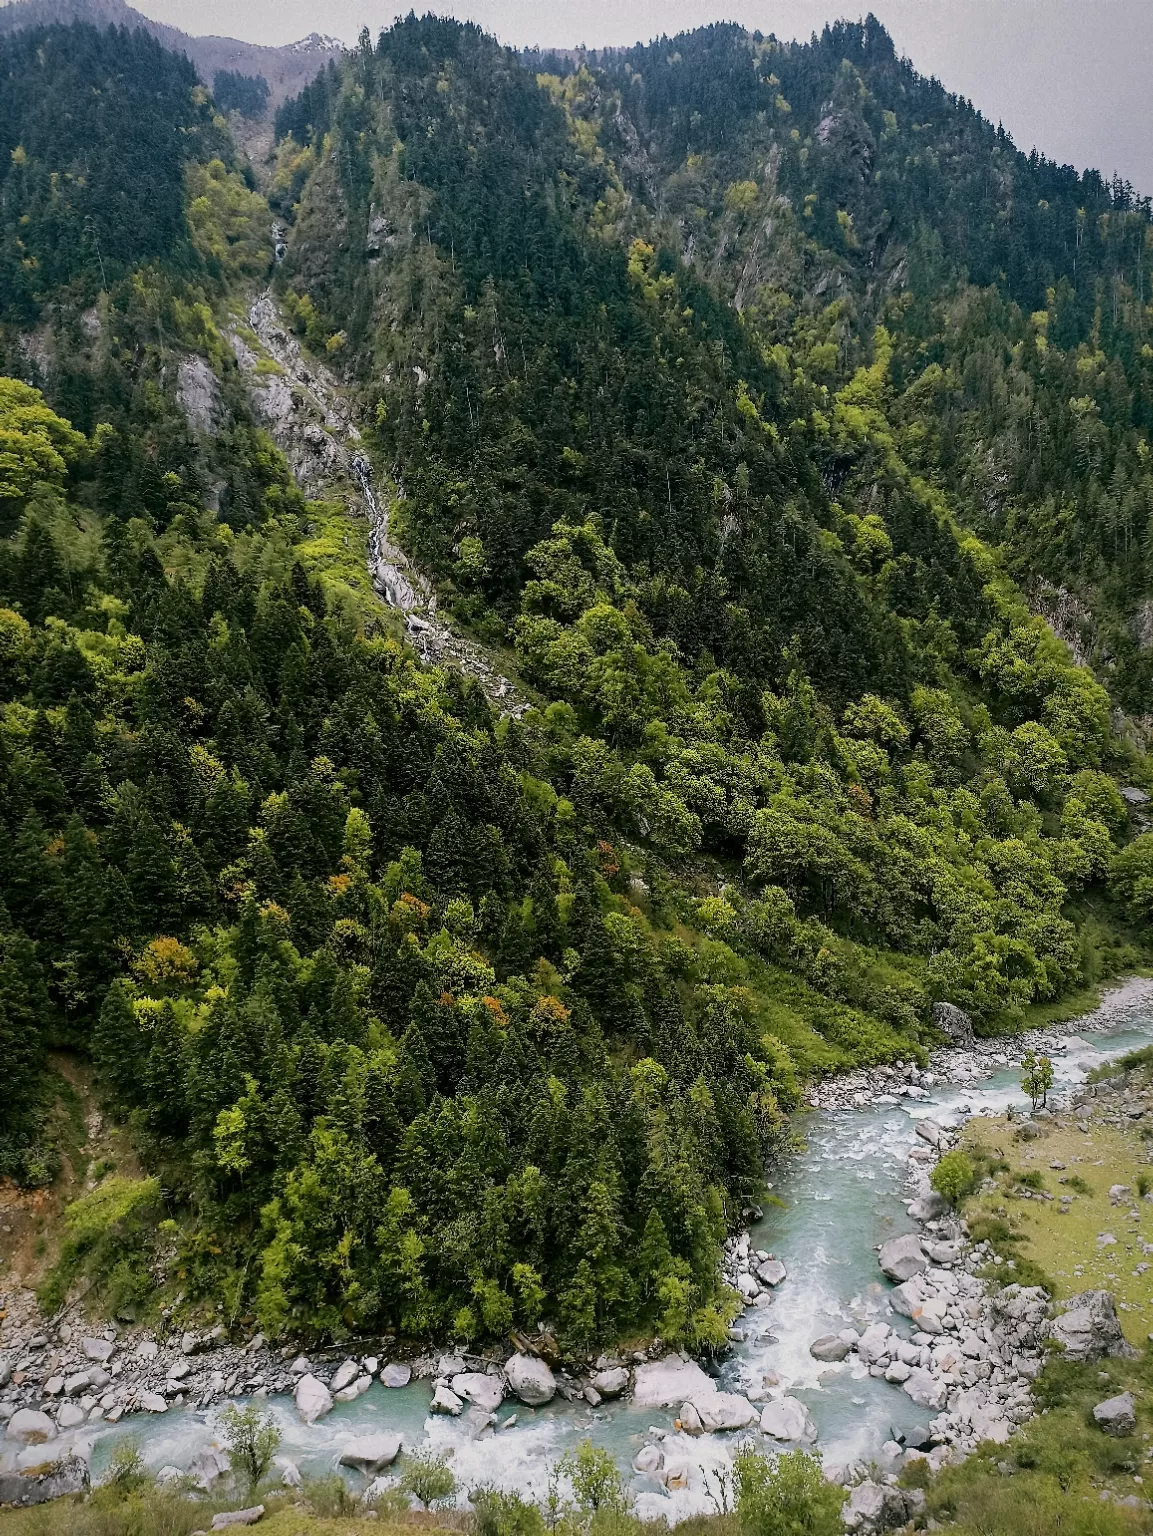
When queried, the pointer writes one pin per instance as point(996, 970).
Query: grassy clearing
point(1070, 1248)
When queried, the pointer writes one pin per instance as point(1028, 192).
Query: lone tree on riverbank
point(1036, 1077)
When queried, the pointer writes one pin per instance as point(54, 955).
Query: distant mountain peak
point(287, 69)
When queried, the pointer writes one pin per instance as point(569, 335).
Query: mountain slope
point(286, 69)
point(428, 1019)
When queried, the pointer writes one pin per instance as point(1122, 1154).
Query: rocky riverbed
point(927, 1329)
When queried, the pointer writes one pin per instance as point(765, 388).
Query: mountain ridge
point(287, 68)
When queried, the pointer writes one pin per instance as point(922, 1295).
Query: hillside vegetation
point(436, 1021)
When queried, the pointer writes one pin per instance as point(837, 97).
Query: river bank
point(849, 1193)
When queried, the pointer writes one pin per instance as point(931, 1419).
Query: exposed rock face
point(198, 395)
point(789, 1420)
point(901, 1257)
point(954, 1022)
point(1116, 1415)
point(368, 1453)
point(49, 1480)
point(1088, 1328)
point(531, 1380)
point(313, 1399)
point(662, 1383)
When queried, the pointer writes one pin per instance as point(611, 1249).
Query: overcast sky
point(1071, 77)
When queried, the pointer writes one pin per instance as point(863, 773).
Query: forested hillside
point(430, 1019)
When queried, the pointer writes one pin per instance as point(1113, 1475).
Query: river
point(839, 1198)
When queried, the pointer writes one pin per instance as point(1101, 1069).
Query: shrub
point(954, 1177)
point(428, 1477)
point(251, 1437)
point(786, 1497)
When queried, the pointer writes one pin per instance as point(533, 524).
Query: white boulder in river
point(368, 1453)
point(531, 1380)
point(901, 1257)
point(723, 1410)
point(788, 1419)
point(485, 1392)
point(31, 1427)
point(313, 1399)
point(663, 1383)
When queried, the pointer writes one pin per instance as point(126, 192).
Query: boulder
point(31, 1427)
point(788, 1419)
point(830, 1346)
point(228, 1517)
point(289, 1472)
point(368, 1453)
point(1088, 1328)
point(954, 1022)
point(49, 1480)
point(661, 1383)
point(874, 1507)
point(147, 1350)
point(354, 1390)
point(906, 1298)
point(649, 1459)
point(530, 1379)
point(100, 1350)
point(70, 1416)
point(209, 1465)
point(928, 1206)
point(1116, 1415)
point(396, 1375)
point(77, 1383)
point(874, 1343)
point(901, 1257)
point(611, 1382)
point(344, 1376)
point(689, 1420)
point(925, 1390)
point(725, 1410)
point(771, 1272)
point(445, 1400)
point(930, 1131)
point(152, 1402)
point(486, 1392)
point(313, 1399)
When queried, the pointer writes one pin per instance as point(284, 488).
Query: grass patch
point(105, 1239)
point(336, 551)
point(1066, 1247)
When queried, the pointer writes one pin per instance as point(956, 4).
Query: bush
point(428, 1477)
point(505, 1514)
point(251, 1437)
point(786, 1497)
point(954, 1177)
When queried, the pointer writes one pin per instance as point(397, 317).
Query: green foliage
point(786, 1496)
point(427, 1476)
point(953, 1177)
point(252, 1438)
point(234, 92)
point(83, 200)
point(1036, 1077)
point(106, 1237)
point(596, 1483)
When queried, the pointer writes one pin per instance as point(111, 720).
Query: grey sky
point(1072, 77)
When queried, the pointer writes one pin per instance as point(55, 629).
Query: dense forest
point(744, 397)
